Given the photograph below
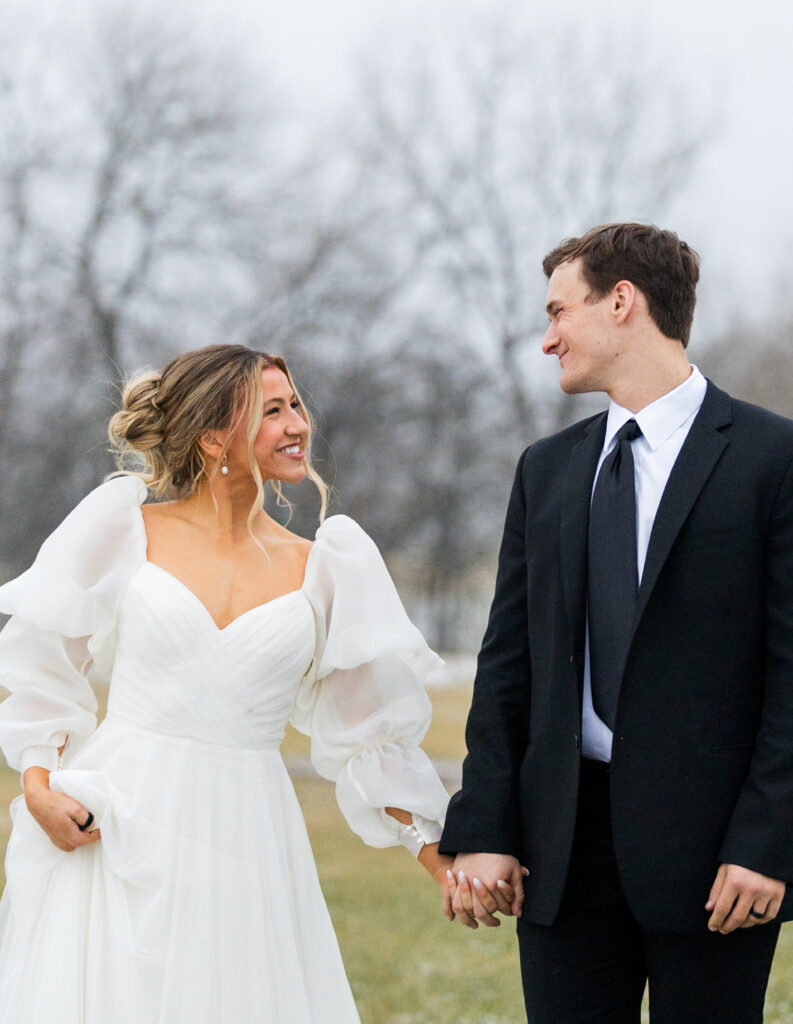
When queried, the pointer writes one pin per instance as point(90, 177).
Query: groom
point(631, 733)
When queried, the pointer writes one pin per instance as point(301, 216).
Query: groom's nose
point(550, 340)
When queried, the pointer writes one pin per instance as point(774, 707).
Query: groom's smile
point(578, 332)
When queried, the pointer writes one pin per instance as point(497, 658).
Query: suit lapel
point(698, 456)
point(574, 526)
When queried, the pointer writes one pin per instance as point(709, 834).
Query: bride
point(159, 868)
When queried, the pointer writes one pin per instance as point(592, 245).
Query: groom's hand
point(741, 898)
point(486, 883)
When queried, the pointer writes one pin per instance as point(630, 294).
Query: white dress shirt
point(664, 424)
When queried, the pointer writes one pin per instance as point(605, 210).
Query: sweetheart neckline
point(222, 629)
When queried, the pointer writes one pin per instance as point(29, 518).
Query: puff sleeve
point(61, 634)
point(363, 701)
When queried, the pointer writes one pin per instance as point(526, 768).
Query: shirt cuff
point(416, 836)
point(38, 757)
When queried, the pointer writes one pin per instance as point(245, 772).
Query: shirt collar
point(661, 418)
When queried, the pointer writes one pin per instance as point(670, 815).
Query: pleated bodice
point(176, 672)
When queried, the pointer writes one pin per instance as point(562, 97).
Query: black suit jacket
point(702, 763)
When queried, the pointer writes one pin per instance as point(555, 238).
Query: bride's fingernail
point(477, 883)
point(501, 883)
point(461, 876)
point(449, 874)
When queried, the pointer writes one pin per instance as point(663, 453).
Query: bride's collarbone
point(229, 578)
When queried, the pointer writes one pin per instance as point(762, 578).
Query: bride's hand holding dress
point(64, 820)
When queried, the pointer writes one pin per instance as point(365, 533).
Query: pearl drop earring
point(224, 469)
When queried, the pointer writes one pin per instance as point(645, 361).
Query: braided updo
point(155, 434)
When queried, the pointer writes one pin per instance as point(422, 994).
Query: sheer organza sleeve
point(363, 701)
point(61, 635)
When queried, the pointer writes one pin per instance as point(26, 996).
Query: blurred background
point(368, 189)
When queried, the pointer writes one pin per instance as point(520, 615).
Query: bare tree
point(753, 359)
point(123, 197)
point(497, 147)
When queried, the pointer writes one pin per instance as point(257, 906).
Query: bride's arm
point(363, 702)
point(62, 627)
point(439, 865)
point(436, 863)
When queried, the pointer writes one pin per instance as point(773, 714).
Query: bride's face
point(279, 448)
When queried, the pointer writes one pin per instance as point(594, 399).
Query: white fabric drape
point(62, 633)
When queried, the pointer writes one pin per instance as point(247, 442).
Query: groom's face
point(579, 331)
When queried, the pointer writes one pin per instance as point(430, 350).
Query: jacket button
point(575, 739)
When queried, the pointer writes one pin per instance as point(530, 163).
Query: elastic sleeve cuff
point(38, 757)
point(416, 836)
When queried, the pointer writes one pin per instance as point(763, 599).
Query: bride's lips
point(292, 451)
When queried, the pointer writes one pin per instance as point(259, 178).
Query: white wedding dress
point(201, 901)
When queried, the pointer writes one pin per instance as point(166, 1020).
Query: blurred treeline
point(157, 193)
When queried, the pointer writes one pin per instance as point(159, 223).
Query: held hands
point(741, 898)
point(481, 885)
point(58, 814)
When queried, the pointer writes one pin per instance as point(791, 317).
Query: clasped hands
point(476, 886)
point(480, 885)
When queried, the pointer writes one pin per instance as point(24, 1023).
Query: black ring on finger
point(753, 913)
point(88, 822)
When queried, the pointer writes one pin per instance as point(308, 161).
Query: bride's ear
point(211, 443)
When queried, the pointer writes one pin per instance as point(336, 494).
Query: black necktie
point(613, 576)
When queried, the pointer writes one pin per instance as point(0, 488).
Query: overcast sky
point(738, 212)
point(741, 211)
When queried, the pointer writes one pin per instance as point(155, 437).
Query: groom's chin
point(578, 385)
point(571, 386)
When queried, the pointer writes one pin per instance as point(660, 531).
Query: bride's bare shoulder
point(159, 512)
point(284, 538)
point(159, 508)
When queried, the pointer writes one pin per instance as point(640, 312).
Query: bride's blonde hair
point(155, 434)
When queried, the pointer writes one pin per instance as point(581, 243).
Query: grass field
point(406, 963)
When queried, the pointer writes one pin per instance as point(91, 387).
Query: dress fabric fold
point(201, 902)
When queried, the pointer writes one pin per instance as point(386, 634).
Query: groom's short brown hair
point(662, 267)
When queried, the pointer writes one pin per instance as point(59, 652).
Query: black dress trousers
point(592, 964)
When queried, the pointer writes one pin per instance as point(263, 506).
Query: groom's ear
point(624, 295)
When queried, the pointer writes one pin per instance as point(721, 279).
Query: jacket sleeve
point(760, 833)
point(483, 816)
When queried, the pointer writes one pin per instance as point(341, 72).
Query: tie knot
point(629, 432)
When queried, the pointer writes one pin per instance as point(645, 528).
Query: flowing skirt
point(199, 905)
